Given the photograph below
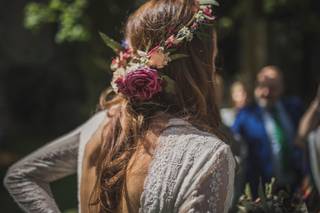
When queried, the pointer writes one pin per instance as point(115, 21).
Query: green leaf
point(242, 209)
point(269, 188)
point(173, 50)
point(262, 196)
point(302, 208)
point(247, 191)
point(178, 56)
point(212, 2)
point(115, 46)
point(250, 207)
point(70, 211)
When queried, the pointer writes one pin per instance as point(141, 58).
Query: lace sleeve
point(214, 186)
point(28, 180)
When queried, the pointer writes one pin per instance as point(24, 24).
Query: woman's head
point(156, 20)
point(152, 24)
point(192, 97)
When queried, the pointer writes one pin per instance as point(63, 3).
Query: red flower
point(194, 26)
point(140, 85)
point(170, 41)
point(208, 11)
point(122, 60)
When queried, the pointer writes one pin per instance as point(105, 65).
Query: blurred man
point(268, 127)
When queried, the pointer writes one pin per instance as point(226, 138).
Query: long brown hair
point(193, 101)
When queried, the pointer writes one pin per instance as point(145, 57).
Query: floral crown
point(137, 75)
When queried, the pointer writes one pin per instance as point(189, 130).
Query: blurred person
point(239, 95)
point(310, 121)
point(239, 99)
point(157, 146)
point(308, 137)
point(238, 147)
point(268, 127)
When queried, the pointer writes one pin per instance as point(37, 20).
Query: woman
point(158, 148)
point(239, 99)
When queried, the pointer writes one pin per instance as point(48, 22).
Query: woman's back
point(191, 169)
point(185, 165)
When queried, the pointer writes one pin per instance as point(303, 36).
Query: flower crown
point(136, 75)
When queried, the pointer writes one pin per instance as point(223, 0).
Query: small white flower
point(184, 33)
point(132, 67)
point(199, 17)
point(116, 74)
point(142, 53)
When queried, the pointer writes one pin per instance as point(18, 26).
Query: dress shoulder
point(183, 157)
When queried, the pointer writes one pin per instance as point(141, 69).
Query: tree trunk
point(253, 41)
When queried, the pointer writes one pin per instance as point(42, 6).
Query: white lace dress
point(191, 171)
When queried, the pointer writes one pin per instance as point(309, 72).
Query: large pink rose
point(140, 85)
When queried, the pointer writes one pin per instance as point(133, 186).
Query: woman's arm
point(310, 120)
point(28, 180)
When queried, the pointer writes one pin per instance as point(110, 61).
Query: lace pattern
point(192, 171)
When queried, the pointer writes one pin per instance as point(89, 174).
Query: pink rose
point(157, 58)
point(208, 11)
point(140, 85)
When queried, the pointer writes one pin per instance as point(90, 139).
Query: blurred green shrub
point(271, 200)
point(69, 16)
point(70, 211)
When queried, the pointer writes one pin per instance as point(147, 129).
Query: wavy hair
point(193, 100)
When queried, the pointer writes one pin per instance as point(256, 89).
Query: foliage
point(271, 5)
point(74, 22)
point(70, 211)
point(109, 42)
point(68, 15)
point(271, 200)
